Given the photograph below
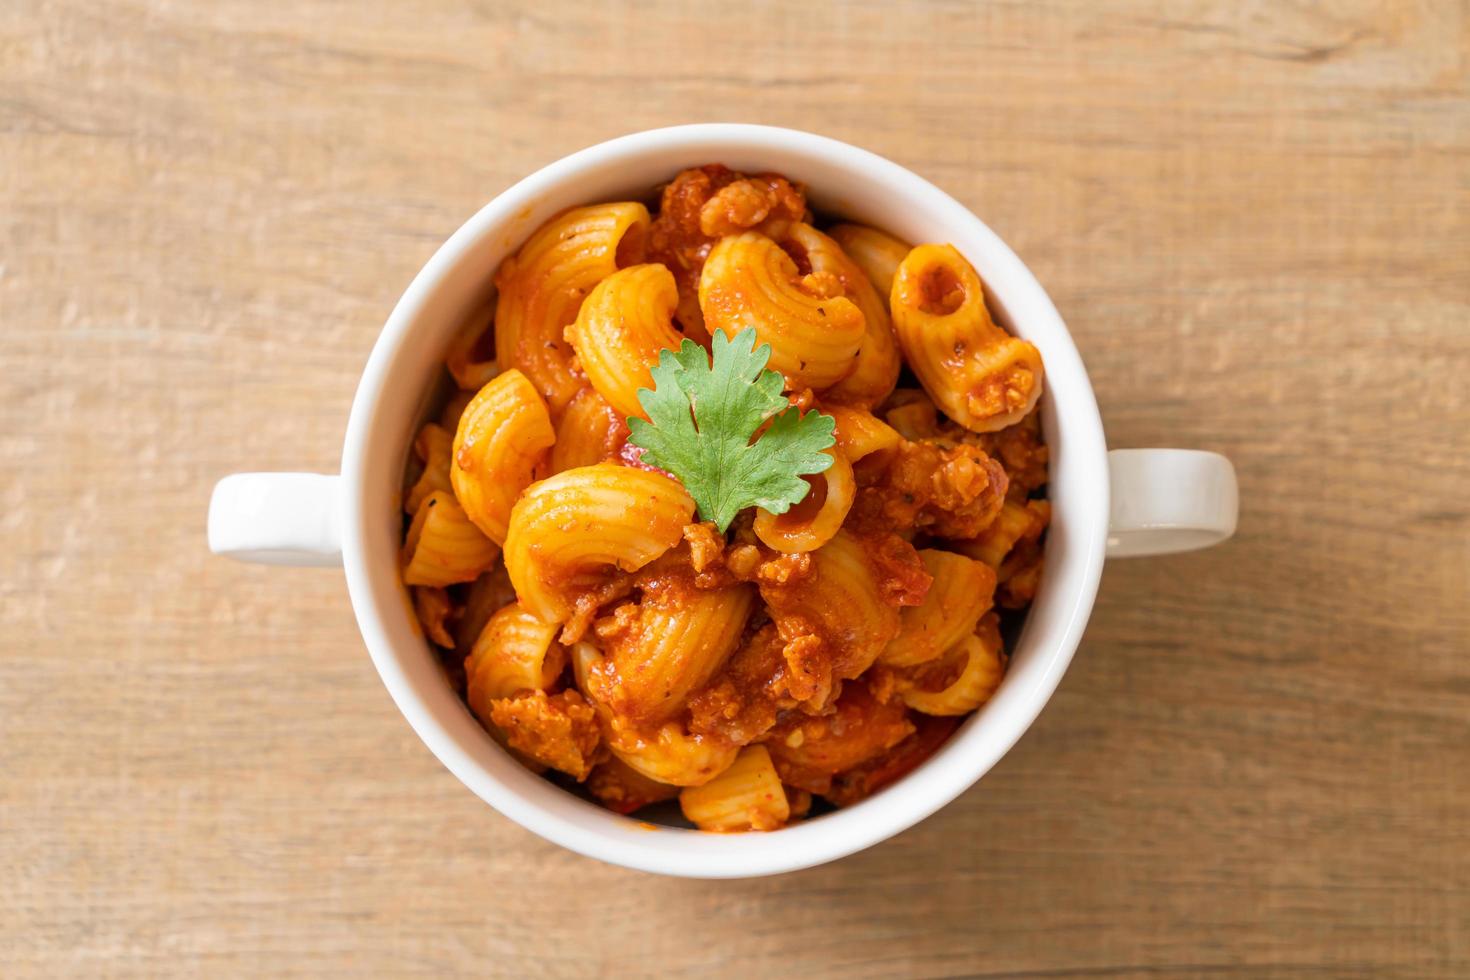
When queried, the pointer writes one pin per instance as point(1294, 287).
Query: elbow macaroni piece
point(482, 598)
point(876, 370)
point(543, 286)
point(454, 408)
point(962, 592)
point(622, 326)
point(842, 600)
point(590, 431)
point(669, 753)
point(808, 525)
point(431, 605)
point(877, 253)
point(982, 377)
point(515, 652)
point(470, 358)
point(981, 661)
point(503, 436)
point(433, 446)
point(680, 637)
point(860, 433)
point(443, 546)
point(570, 530)
point(666, 753)
point(746, 796)
point(1017, 520)
point(748, 281)
point(913, 415)
point(586, 658)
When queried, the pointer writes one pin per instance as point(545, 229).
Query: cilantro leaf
point(701, 417)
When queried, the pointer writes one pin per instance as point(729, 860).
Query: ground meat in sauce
point(808, 752)
point(706, 545)
point(1018, 448)
point(779, 569)
point(622, 789)
point(612, 586)
point(953, 492)
point(862, 781)
point(704, 203)
point(717, 568)
point(1023, 453)
point(902, 579)
point(742, 702)
point(557, 730)
point(823, 641)
point(1020, 575)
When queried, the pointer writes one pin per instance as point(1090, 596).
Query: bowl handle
point(277, 518)
point(1169, 500)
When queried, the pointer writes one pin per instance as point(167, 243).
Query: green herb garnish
point(701, 417)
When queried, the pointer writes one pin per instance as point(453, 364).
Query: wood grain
point(1256, 219)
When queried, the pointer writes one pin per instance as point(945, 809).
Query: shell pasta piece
point(748, 281)
point(980, 662)
point(877, 253)
point(746, 796)
point(443, 546)
point(515, 652)
point(962, 593)
point(811, 523)
point(568, 532)
point(623, 324)
point(543, 286)
point(503, 434)
point(979, 375)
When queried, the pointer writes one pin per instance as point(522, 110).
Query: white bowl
point(310, 519)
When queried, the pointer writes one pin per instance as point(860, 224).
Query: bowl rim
point(831, 836)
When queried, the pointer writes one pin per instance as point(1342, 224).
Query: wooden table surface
point(1256, 220)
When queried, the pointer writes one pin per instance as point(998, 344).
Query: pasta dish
point(726, 508)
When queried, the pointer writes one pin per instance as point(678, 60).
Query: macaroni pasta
point(981, 376)
point(503, 436)
point(813, 642)
point(814, 331)
point(542, 288)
